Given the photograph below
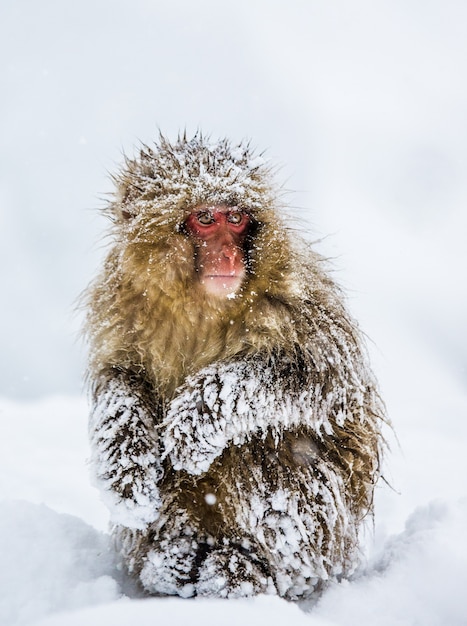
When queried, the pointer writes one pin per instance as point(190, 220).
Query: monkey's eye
point(205, 218)
point(235, 217)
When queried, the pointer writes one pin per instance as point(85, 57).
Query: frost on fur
point(125, 455)
point(189, 172)
point(227, 403)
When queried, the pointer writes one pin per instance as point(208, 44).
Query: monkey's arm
point(229, 402)
point(125, 449)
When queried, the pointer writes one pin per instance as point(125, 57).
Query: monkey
point(235, 424)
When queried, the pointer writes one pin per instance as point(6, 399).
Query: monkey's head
point(205, 211)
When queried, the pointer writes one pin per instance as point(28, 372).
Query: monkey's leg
point(163, 557)
point(193, 549)
point(232, 571)
point(228, 562)
point(168, 566)
point(169, 556)
point(289, 506)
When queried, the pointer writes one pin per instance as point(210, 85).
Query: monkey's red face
point(219, 233)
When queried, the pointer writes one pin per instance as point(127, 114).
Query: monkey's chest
point(172, 353)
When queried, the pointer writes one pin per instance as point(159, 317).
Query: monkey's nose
point(231, 253)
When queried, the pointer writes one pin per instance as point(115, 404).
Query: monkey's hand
point(226, 403)
point(124, 452)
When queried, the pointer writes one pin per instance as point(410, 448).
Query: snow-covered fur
point(236, 442)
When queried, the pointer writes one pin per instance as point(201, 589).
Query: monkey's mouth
point(222, 284)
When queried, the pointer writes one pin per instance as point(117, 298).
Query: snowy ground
point(365, 105)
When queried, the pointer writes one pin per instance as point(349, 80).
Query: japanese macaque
point(235, 425)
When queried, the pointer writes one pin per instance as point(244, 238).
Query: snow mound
point(59, 571)
point(261, 611)
point(419, 576)
point(51, 562)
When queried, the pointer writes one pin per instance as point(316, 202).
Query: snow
point(365, 105)
point(51, 562)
